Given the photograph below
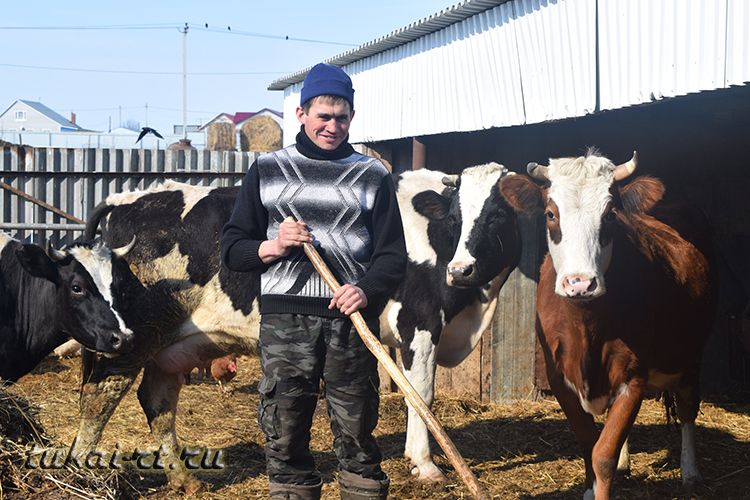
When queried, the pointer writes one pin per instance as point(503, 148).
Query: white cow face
point(580, 216)
point(577, 209)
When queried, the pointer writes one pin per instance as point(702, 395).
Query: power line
point(164, 26)
point(229, 31)
point(133, 72)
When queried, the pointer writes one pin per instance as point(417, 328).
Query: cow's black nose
point(116, 341)
point(462, 272)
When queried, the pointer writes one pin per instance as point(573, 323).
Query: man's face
point(326, 123)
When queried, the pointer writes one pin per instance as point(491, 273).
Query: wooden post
point(411, 395)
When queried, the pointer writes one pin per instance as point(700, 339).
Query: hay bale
point(222, 137)
point(261, 134)
point(22, 436)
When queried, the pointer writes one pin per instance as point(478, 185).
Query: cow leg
point(581, 423)
point(688, 403)
point(158, 394)
point(620, 420)
point(623, 463)
point(105, 382)
point(419, 369)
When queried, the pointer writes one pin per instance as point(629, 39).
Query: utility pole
point(147, 114)
point(184, 32)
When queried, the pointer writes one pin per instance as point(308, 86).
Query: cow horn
point(537, 171)
point(54, 253)
point(451, 180)
point(123, 251)
point(624, 170)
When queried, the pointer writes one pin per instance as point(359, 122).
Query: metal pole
point(184, 32)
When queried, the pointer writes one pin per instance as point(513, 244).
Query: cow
point(196, 309)
point(462, 241)
point(625, 302)
point(44, 299)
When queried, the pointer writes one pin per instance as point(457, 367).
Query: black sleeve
point(388, 261)
point(246, 228)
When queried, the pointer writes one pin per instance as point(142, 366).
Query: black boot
point(356, 487)
point(279, 491)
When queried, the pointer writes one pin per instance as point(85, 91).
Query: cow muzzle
point(577, 286)
point(461, 273)
point(115, 342)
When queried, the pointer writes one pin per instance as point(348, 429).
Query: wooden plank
point(513, 341)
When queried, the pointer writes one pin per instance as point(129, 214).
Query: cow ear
point(432, 205)
point(522, 193)
point(36, 262)
point(642, 194)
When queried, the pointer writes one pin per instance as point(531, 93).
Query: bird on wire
point(148, 130)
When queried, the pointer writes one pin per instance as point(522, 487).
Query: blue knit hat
point(325, 79)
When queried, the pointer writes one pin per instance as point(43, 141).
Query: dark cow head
point(84, 277)
point(472, 226)
point(583, 207)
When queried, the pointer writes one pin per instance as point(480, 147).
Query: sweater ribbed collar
point(308, 148)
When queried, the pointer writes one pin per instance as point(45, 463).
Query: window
point(20, 116)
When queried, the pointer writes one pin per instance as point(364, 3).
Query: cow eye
point(76, 289)
point(609, 216)
point(550, 215)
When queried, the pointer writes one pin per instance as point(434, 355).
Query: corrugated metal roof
point(409, 33)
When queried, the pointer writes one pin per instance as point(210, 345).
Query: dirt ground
point(519, 451)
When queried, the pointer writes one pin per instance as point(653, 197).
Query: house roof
point(52, 115)
point(241, 116)
point(430, 24)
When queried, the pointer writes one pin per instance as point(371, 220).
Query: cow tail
point(670, 408)
point(97, 214)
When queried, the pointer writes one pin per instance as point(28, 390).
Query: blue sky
point(114, 90)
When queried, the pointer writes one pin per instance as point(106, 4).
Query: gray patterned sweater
point(346, 199)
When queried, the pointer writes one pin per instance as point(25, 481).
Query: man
point(321, 191)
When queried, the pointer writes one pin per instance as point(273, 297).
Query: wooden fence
point(46, 193)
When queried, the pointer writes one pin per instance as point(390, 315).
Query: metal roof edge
point(409, 33)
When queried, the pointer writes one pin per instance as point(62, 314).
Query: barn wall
point(696, 144)
point(529, 61)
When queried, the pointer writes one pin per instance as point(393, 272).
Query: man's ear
point(301, 115)
point(522, 193)
point(432, 205)
point(641, 194)
point(37, 263)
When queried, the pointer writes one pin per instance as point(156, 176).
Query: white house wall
point(529, 61)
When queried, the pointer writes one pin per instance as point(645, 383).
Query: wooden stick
point(411, 395)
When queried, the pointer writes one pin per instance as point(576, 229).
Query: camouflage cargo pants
point(296, 351)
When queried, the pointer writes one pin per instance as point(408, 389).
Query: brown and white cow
point(624, 304)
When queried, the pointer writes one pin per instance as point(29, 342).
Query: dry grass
point(222, 137)
point(261, 134)
point(522, 450)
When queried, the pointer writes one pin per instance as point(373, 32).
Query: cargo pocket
point(268, 415)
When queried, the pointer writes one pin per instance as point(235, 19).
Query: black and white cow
point(462, 243)
point(44, 299)
point(192, 309)
point(195, 309)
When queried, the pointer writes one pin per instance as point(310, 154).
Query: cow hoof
point(690, 482)
point(428, 472)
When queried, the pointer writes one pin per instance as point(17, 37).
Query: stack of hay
point(20, 433)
